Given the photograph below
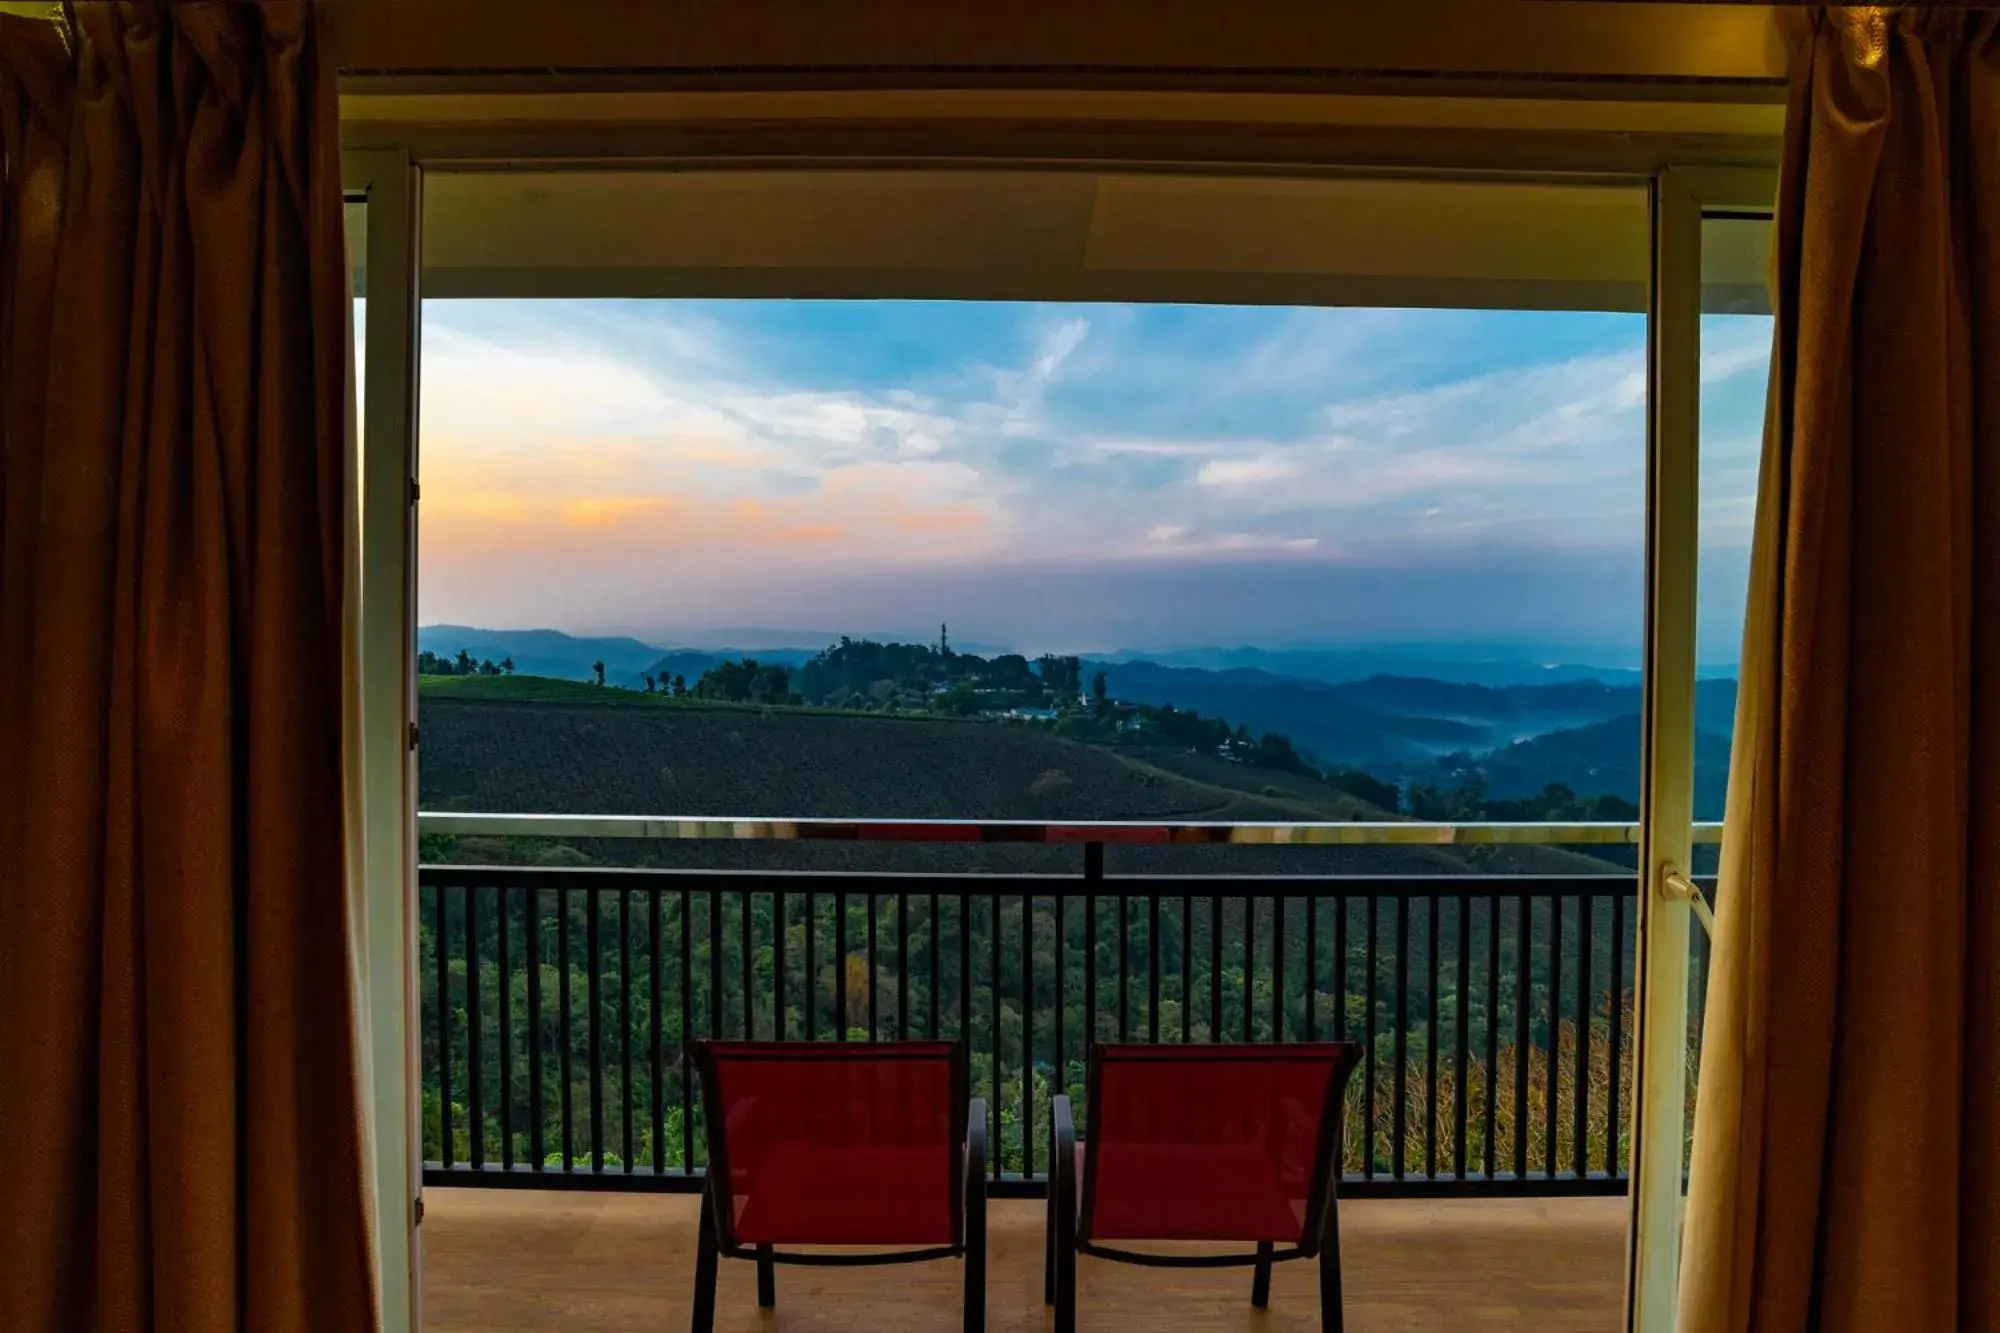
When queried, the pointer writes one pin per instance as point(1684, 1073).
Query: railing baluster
point(659, 947)
point(1153, 967)
point(1462, 1074)
point(687, 1030)
point(1059, 1080)
point(715, 968)
point(1312, 968)
point(840, 965)
point(565, 1065)
point(1214, 967)
point(965, 974)
point(1524, 927)
point(1249, 964)
point(780, 1009)
point(1585, 982)
point(1340, 906)
point(1492, 1075)
point(1614, 1162)
point(747, 917)
point(1279, 907)
point(506, 1000)
point(937, 940)
point(1703, 961)
point(1431, 937)
point(443, 950)
point(812, 969)
point(996, 1072)
point(625, 1027)
point(1027, 1035)
point(1400, 1086)
point(902, 966)
point(1093, 880)
point(1123, 942)
point(1187, 966)
point(1368, 1040)
point(533, 939)
point(1551, 1116)
point(475, 1036)
point(594, 997)
point(874, 972)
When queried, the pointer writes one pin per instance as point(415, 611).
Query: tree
point(747, 681)
point(1100, 687)
point(680, 685)
point(507, 665)
point(598, 667)
point(649, 683)
point(464, 662)
point(961, 700)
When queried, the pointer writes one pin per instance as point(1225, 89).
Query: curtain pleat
point(179, 1120)
point(1846, 1155)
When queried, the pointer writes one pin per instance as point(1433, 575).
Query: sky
point(1063, 477)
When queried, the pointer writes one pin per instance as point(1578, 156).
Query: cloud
point(1736, 351)
point(1246, 471)
point(600, 511)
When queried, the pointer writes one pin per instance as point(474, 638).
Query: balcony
point(1486, 1153)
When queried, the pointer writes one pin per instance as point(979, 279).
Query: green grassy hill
point(525, 744)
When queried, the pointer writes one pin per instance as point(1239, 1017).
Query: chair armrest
point(1062, 1131)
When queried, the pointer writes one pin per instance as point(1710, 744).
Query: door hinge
point(416, 490)
point(417, 1210)
point(413, 735)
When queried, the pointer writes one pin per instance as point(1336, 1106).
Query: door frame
point(1685, 179)
point(1682, 195)
point(384, 615)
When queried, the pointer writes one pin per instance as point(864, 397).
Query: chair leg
point(1065, 1266)
point(1049, 1245)
point(975, 1282)
point(1331, 1320)
point(704, 1269)
point(1260, 1284)
point(767, 1278)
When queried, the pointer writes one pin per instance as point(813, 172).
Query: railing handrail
point(1188, 832)
point(1012, 884)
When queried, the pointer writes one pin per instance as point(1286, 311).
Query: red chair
point(827, 1143)
point(1207, 1143)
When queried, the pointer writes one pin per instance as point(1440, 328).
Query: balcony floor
point(497, 1261)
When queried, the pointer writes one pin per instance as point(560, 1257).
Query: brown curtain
point(180, 1133)
point(1847, 1147)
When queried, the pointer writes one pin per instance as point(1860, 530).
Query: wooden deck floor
point(509, 1261)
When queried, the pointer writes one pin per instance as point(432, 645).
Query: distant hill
point(1470, 664)
point(549, 652)
point(1602, 758)
point(1394, 722)
point(542, 652)
point(693, 662)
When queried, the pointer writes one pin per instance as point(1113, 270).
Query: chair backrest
point(834, 1143)
point(1225, 1142)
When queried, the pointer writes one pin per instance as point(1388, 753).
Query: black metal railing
point(1495, 1012)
